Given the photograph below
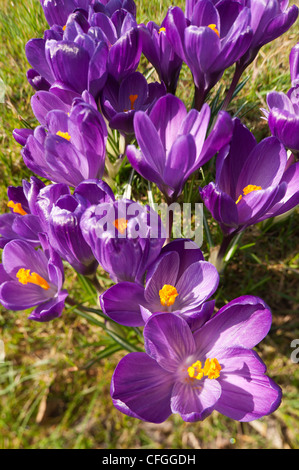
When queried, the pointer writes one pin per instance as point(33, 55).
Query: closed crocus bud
point(32, 278)
point(125, 238)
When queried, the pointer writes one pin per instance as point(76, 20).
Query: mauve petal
point(20, 254)
point(143, 166)
point(106, 25)
point(16, 296)
point(166, 271)
point(69, 63)
point(243, 322)
point(28, 227)
point(205, 13)
point(291, 197)
point(264, 166)
point(247, 393)
point(136, 378)
point(196, 123)
point(43, 101)
point(294, 62)
point(175, 24)
point(95, 191)
point(279, 100)
point(134, 84)
point(167, 115)
point(57, 121)
point(97, 73)
point(121, 303)
point(37, 81)
point(285, 126)
point(125, 54)
point(197, 284)
point(149, 141)
point(21, 135)
point(49, 310)
point(168, 340)
point(35, 53)
point(3, 275)
point(195, 403)
point(179, 160)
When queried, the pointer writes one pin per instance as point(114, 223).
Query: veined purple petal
point(136, 378)
point(168, 340)
point(49, 310)
point(121, 303)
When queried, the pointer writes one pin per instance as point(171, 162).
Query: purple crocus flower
point(69, 148)
point(160, 53)
point(254, 181)
point(21, 222)
point(61, 212)
point(214, 368)
point(211, 41)
point(125, 238)
point(172, 143)
point(283, 112)
point(120, 101)
point(32, 278)
point(179, 281)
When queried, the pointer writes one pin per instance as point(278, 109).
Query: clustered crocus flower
point(283, 112)
point(88, 84)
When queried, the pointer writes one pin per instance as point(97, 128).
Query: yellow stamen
point(16, 207)
point(121, 225)
point(213, 27)
point(168, 295)
point(212, 368)
point(248, 189)
point(195, 371)
point(24, 277)
point(162, 30)
point(132, 99)
point(65, 135)
point(64, 27)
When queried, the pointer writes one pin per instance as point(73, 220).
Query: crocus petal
point(247, 393)
point(243, 322)
point(121, 303)
point(19, 254)
point(140, 386)
point(15, 296)
point(168, 340)
point(49, 310)
point(195, 403)
point(43, 101)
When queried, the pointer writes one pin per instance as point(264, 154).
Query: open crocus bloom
point(32, 278)
point(253, 182)
point(172, 142)
point(214, 368)
point(178, 281)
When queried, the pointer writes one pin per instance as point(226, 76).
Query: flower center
point(162, 30)
point(211, 369)
point(65, 135)
point(16, 207)
point(248, 189)
point(121, 225)
point(168, 295)
point(213, 27)
point(132, 99)
point(24, 277)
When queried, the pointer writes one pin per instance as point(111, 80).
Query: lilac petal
point(21, 135)
point(125, 54)
point(69, 63)
point(222, 207)
point(199, 316)
point(37, 81)
point(16, 296)
point(247, 393)
point(188, 251)
point(243, 322)
point(279, 100)
point(219, 136)
point(121, 303)
point(291, 197)
point(264, 166)
point(28, 227)
point(19, 254)
point(136, 378)
point(168, 340)
point(42, 102)
point(95, 191)
point(3, 275)
point(196, 123)
point(165, 272)
point(35, 53)
point(97, 74)
point(195, 403)
point(144, 167)
point(294, 62)
point(205, 13)
point(285, 126)
point(179, 160)
point(175, 24)
point(149, 141)
point(197, 284)
point(49, 310)
point(134, 84)
point(167, 115)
